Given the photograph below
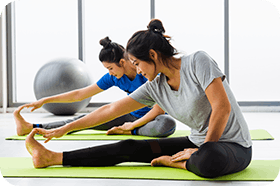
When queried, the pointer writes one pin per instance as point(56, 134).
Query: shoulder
point(107, 76)
point(200, 59)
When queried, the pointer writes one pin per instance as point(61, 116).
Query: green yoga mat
point(258, 134)
point(258, 170)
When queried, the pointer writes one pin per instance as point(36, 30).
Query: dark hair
point(142, 41)
point(111, 52)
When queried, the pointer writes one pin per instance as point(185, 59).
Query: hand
point(35, 105)
point(123, 129)
point(127, 126)
point(183, 155)
point(49, 134)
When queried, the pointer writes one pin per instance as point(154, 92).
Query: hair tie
point(155, 30)
point(107, 45)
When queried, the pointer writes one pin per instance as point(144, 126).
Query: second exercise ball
point(60, 76)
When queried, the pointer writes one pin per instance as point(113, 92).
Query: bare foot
point(23, 127)
point(167, 162)
point(41, 156)
point(117, 130)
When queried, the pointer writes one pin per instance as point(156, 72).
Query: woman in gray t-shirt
point(192, 89)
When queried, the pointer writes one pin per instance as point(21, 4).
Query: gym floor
point(262, 150)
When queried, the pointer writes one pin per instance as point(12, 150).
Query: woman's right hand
point(35, 105)
point(52, 133)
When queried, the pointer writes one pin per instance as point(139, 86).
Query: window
point(44, 30)
point(194, 25)
point(254, 50)
point(39, 31)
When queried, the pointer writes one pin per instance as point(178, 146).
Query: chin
point(118, 77)
point(151, 78)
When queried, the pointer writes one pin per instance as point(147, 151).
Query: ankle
point(57, 158)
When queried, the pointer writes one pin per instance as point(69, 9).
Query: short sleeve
point(205, 69)
point(142, 95)
point(106, 82)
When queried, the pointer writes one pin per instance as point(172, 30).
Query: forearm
point(217, 123)
point(151, 115)
point(68, 97)
point(75, 95)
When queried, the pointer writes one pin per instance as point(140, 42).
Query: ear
point(122, 62)
point(153, 54)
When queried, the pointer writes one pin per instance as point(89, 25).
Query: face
point(114, 69)
point(143, 67)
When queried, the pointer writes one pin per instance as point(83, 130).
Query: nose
point(110, 72)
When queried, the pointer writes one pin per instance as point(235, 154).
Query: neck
point(130, 71)
point(172, 71)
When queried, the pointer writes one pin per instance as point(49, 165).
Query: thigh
point(116, 122)
point(219, 158)
point(170, 146)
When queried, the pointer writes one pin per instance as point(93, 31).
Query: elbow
point(223, 109)
point(227, 109)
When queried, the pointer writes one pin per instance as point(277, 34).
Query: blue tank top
point(125, 84)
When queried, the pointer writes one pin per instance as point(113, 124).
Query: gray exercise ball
point(59, 76)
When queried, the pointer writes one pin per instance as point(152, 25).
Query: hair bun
point(156, 26)
point(106, 42)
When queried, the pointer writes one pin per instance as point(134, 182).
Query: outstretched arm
point(68, 97)
point(103, 114)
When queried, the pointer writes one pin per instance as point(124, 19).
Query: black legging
point(212, 159)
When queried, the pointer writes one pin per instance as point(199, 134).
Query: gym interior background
point(241, 35)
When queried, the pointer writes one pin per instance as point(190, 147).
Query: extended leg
point(106, 155)
point(126, 151)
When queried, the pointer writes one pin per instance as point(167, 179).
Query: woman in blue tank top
point(123, 74)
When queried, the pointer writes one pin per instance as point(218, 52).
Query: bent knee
point(166, 120)
point(210, 161)
point(167, 125)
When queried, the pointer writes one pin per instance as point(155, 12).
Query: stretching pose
point(192, 89)
point(122, 73)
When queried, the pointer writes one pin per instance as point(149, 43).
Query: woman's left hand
point(126, 129)
point(128, 126)
point(183, 155)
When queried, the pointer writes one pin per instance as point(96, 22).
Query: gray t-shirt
point(189, 104)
